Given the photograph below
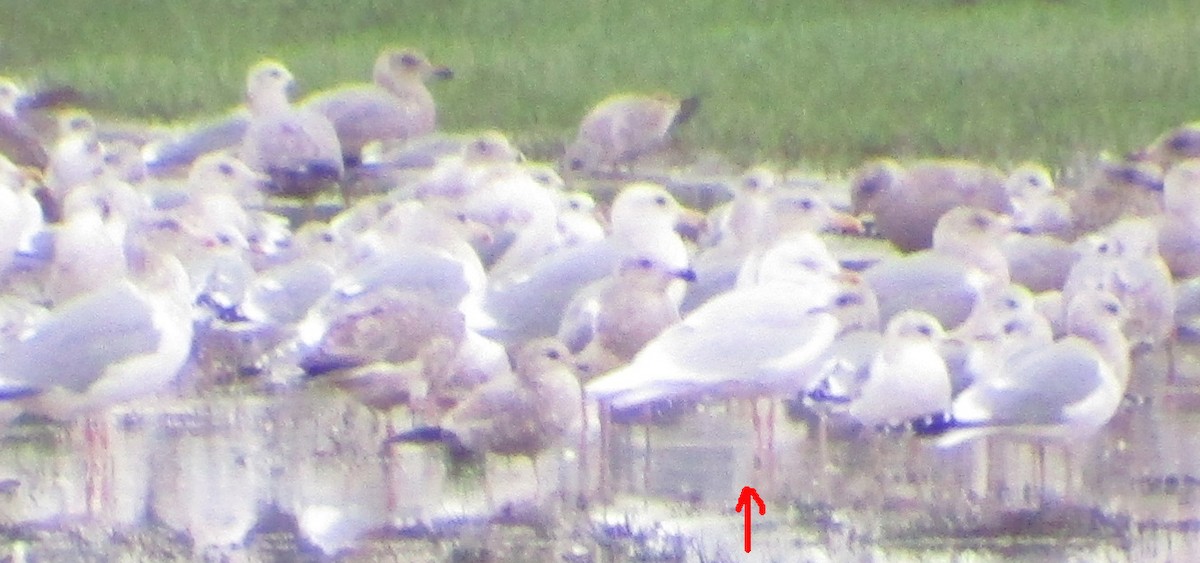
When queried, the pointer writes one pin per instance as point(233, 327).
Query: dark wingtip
point(15, 393)
point(430, 435)
point(325, 171)
point(422, 435)
point(687, 108)
point(934, 424)
point(322, 364)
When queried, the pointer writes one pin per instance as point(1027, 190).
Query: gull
point(87, 254)
point(21, 217)
point(1065, 390)
point(999, 326)
point(220, 173)
point(1039, 258)
point(1061, 392)
point(415, 246)
point(1173, 146)
point(907, 201)
point(736, 224)
point(530, 304)
point(1113, 189)
point(578, 221)
point(624, 127)
point(609, 322)
point(76, 158)
point(759, 340)
point(19, 141)
point(386, 325)
point(123, 340)
point(177, 152)
point(535, 410)
point(297, 148)
point(755, 340)
point(907, 378)
point(964, 263)
point(1179, 227)
point(845, 365)
point(396, 106)
point(1123, 260)
point(457, 177)
point(1036, 209)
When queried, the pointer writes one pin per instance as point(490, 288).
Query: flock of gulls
point(498, 300)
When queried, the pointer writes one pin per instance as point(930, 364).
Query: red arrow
point(748, 494)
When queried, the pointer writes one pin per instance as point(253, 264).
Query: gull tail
point(687, 108)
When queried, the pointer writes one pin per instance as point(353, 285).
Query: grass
point(822, 82)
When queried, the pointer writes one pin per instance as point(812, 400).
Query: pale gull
point(907, 379)
point(1068, 389)
point(1123, 260)
point(643, 218)
point(297, 148)
point(756, 340)
point(965, 262)
point(124, 340)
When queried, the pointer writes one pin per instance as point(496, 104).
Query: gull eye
point(925, 330)
point(1104, 248)
point(224, 239)
point(806, 204)
point(660, 201)
point(645, 263)
point(327, 237)
point(1011, 327)
point(1011, 303)
point(1112, 308)
point(410, 60)
point(225, 169)
point(553, 354)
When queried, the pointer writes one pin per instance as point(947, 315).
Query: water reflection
point(301, 475)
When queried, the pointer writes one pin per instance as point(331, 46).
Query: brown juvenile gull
point(907, 201)
point(535, 410)
point(397, 106)
point(624, 127)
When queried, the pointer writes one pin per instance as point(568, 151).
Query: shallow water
point(299, 474)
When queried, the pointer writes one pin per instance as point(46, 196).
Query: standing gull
point(536, 409)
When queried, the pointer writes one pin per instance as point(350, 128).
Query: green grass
point(824, 82)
